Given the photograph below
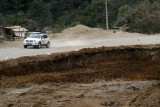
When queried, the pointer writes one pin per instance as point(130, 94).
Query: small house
point(12, 32)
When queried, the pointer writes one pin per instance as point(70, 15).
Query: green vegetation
point(144, 17)
point(139, 15)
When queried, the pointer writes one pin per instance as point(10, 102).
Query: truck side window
point(45, 36)
point(42, 37)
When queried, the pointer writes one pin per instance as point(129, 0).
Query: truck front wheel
point(25, 46)
point(39, 45)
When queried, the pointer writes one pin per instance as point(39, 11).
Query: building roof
point(19, 29)
point(16, 28)
point(13, 27)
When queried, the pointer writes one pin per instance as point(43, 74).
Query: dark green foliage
point(94, 14)
point(144, 17)
point(39, 12)
point(124, 16)
point(147, 17)
point(4, 5)
point(139, 15)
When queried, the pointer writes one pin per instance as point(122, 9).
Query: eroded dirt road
point(62, 45)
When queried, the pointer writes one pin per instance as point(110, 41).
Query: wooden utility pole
point(106, 14)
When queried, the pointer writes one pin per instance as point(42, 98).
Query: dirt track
point(15, 49)
point(112, 76)
point(60, 80)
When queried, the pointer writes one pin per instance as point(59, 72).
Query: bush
point(144, 17)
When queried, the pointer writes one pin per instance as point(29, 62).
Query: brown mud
point(86, 65)
point(95, 77)
point(150, 97)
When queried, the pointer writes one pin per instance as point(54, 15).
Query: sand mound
point(81, 31)
point(148, 98)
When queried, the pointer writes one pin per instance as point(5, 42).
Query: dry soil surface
point(111, 76)
point(99, 77)
point(115, 93)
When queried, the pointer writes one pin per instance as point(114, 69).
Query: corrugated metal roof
point(13, 27)
point(20, 29)
point(16, 28)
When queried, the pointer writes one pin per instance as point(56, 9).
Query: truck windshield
point(34, 36)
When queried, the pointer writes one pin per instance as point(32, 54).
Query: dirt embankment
point(58, 80)
point(87, 65)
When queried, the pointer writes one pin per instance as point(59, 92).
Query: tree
point(144, 17)
point(147, 16)
point(124, 16)
point(4, 5)
point(1, 20)
point(94, 14)
point(39, 12)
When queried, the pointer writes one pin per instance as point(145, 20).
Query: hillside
point(62, 14)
